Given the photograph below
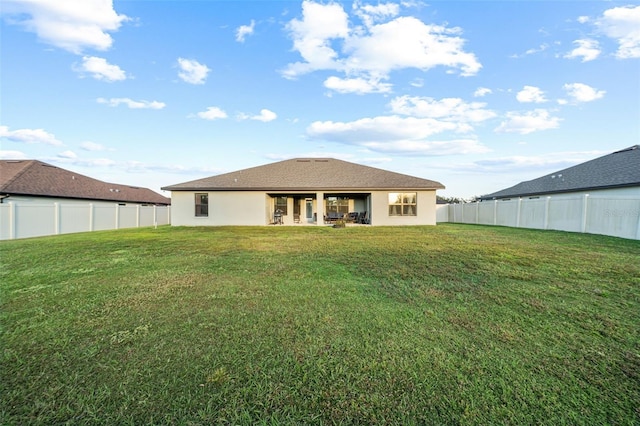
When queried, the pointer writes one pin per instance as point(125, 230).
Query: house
point(613, 175)
point(305, 191)
point(32, 181)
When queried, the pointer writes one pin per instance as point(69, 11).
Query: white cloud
point(586, 49)
point(531, 94)
point(100, 69)
point(265, 116)
point(544, 162)
point(407, 42)
point(73, 25)
point(623, 25)
point(482, 91)
point(312, 35)
point(244, 30)
point(29, 136)
point(192, 71)
point(325, 41)
point(447, 109)
point(68, 154)
point(378, 129)
point(400, 135)
point(428, 148)
point(529, 122)
point(114, 102)
point(92, 146)
point(358, 85)
point(212, 113)
point(12, 155)
point(583, 19)
point(580, 92)
point(380, 12)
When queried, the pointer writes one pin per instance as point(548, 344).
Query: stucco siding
point(256, 208)
point(225, 208)
point(426, 209)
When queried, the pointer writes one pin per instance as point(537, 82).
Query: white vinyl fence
point(25, 220)
point(618, 217)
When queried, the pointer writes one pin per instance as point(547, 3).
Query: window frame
point(336, 204)
point(282, 205)
point(403, 205)
point(201, 208)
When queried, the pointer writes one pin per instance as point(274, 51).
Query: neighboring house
point(613, 175)
point(32, 181)
point(305, 191)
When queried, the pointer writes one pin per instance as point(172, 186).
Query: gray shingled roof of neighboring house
point(35, 178)
point(615, 170)
point(308, 174)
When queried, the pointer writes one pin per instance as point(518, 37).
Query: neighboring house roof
point(35, 178)
point(616, 170)
point(307, 174)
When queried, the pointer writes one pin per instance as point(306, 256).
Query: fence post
point(638, 227)
point(547, 202)
point(155, 216)
point(12, 220)
point(518, 217)
point(117, 216)
point(90, 217)
point(477, 212)
point(584, 213)
point(56, 218)
point(137, 215)
point(495, 212)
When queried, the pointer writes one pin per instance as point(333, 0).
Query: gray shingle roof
point(308, 174)
point(615, 170)
point(35, 178)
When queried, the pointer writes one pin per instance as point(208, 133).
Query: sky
point(477, 95)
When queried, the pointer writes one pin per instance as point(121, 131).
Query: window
point(403, 204)
point(202, 205)
point(281, 204)
point(337, 204)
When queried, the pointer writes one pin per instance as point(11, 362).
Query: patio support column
point(319, 208)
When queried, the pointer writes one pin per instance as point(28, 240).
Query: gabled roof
point(615, 170)
point(35, 178)
point(308, 174)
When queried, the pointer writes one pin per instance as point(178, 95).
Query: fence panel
point(74, 218)
point(104, 217)
point(507, 213)
point(6, 222)
point(25, 220)
point(565, 214)
point(533, 213)
point(34, 220)
point(128, 217)
point(617, 217)
point(486, 212)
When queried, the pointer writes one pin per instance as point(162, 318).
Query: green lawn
point(453, 324)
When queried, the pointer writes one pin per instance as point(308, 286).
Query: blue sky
point(478, 95)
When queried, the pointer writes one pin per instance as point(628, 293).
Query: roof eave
point(562, 191)
point(305, 189)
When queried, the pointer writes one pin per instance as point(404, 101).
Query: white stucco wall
point(426, 206)
point(256, 208)
point(225, 208)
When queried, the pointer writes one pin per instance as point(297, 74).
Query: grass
point(454, 324)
